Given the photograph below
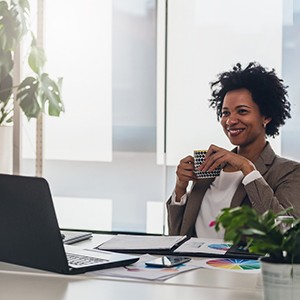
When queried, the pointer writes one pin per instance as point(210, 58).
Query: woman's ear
point(266, 121)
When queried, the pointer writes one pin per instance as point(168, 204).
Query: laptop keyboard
point(82, 260)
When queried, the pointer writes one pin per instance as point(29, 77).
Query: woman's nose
point(231, 121)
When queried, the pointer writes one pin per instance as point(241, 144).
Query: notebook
point(176, 245)
point(30, 234)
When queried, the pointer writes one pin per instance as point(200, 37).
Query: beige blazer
point(278, 189)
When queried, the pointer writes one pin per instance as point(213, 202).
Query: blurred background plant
point(37, 93)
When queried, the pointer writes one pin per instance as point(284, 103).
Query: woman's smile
point(233, 132)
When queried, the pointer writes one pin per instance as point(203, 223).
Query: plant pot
point(280, 281)
point(6, 149)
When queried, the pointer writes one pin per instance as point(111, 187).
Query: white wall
point(206, 38)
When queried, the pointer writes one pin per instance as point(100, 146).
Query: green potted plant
point(37, 93)
point(276, 237)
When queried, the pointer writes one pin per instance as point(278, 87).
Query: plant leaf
point(253, 231)
point(6, 63)
point(37, 57)
point(6, 88)
point(50, 95)
point(27, 96)
point(35, 95)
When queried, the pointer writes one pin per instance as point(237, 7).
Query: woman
point(251, 104)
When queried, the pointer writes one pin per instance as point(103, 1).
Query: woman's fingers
point(215, 157)
point(185, 169)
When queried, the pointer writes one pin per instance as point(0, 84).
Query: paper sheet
point(139, 270)
point(232, 265)
point(203, 245)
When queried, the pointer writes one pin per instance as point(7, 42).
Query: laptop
point(72, 237)
point(30, 235)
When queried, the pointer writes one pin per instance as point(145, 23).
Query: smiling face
point(242, 121)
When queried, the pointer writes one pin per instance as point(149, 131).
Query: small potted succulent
point(276, 237)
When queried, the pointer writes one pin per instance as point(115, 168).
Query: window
point(111, 159)
point(100, 156)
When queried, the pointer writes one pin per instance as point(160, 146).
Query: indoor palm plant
point(276, 237)
point(37, 93)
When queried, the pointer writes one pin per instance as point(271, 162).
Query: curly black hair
point(267, 91)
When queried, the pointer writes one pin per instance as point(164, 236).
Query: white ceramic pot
point(6, 149)
point(280, 281)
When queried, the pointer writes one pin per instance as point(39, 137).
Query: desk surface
point(23, 283)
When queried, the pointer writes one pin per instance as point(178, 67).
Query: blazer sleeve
point(175, 217)
point(278, 190)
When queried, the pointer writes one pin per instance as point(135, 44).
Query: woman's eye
point(225, 113)
point(242, 111)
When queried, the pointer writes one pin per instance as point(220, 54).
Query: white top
point(218, 196)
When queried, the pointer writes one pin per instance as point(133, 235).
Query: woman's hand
point(229, 160)
point(185, 173)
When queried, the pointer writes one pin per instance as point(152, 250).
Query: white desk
point(24, 283)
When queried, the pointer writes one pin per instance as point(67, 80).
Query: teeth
point(235, 130)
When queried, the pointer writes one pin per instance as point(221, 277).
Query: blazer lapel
point(238, 196)
point(262, 164)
